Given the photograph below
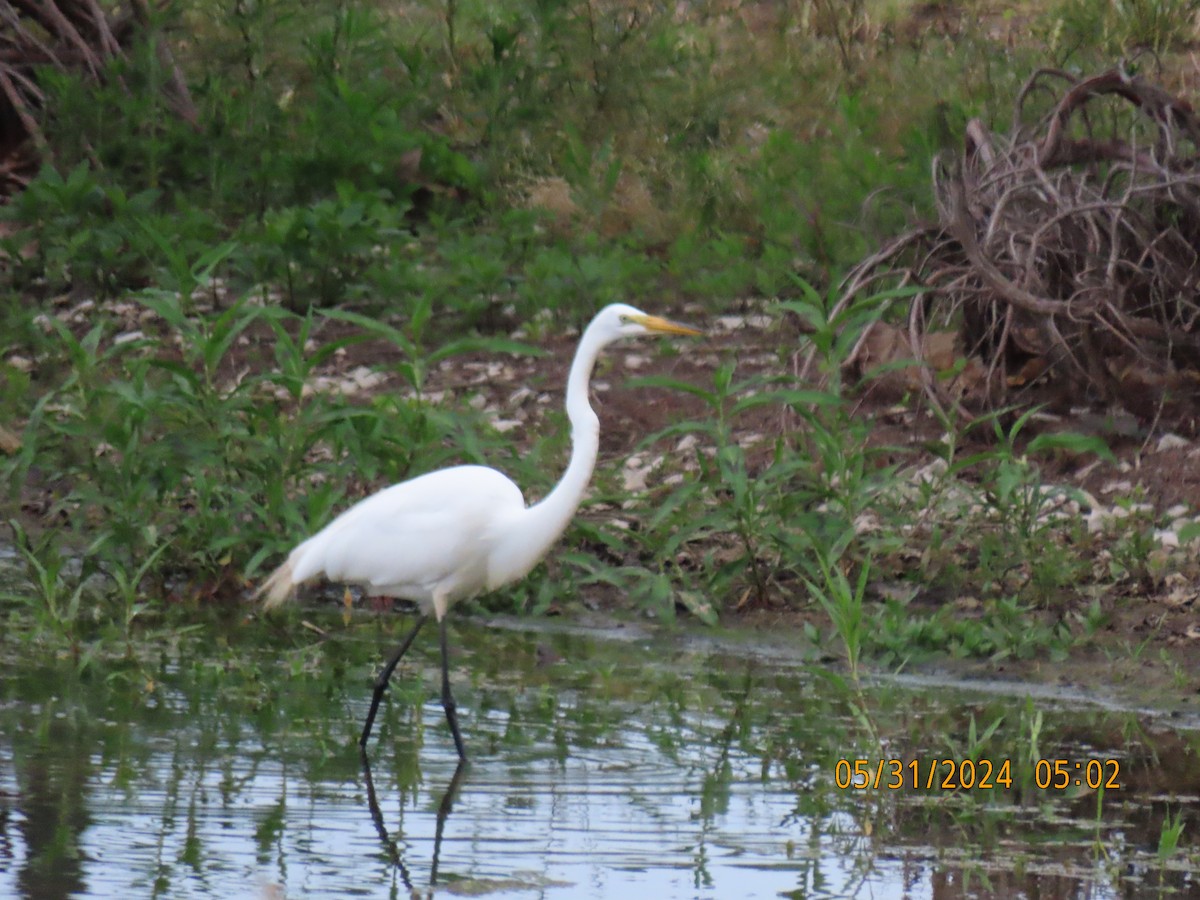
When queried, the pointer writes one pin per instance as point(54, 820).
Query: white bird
point(459, 532)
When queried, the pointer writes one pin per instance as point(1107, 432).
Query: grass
point(434, 182)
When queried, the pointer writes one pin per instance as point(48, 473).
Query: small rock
point(730, 323)
point(931, 471)
point(364, 379)
point(1180, 590)
point(520, 395)
point(1166, 538)
point(1171, 441)
point(866, 523)
point(126, 337)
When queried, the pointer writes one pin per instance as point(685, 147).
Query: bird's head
point(621, 320)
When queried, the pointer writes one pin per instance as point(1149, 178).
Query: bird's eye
point(625, 320)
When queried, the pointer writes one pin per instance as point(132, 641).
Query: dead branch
point(1068, 248)
point(71, 36)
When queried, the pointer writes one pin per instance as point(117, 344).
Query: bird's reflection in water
point(389, 843)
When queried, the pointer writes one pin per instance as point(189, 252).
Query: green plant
point(1168, 840)
point(1133, 543)
point(1005, 529)
point(555, 276)
point(1121, 26)
point(320, 251)
point(843, 602)
point(130, 586)
point(995, 628)
point(56, 583)
point(173, 466)
point(83, 230)
point(725, 498)
point(412, 340)
point(1032, 724)
point(978, 742)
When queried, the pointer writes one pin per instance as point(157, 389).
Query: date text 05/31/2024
point(966, 774)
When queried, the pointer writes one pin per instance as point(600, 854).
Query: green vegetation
point(409, 187)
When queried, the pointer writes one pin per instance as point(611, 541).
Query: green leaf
point(793, 398)
point(225, 331)
point(1072, 443)
point(675, 384)
point(1189, 532)
point(374, 327)
point(698, 606)
point(494, 345)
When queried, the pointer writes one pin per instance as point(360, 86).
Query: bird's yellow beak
point(665, 326)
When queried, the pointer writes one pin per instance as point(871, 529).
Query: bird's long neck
point(549, 518)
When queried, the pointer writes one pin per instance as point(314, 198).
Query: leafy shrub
point(176, 457)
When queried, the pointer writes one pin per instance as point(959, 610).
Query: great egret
point(458, 532)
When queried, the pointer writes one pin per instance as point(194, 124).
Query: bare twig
point(1068, 247)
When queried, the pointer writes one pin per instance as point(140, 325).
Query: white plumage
point(427, 540)
point(462, 531)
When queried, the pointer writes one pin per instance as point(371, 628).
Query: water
point(653, 766)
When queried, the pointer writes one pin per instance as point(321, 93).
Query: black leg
point(448, 703)
point(443, 813)
point(389, 844)
point(381, 682)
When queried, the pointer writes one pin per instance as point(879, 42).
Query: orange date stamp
point(947, 774)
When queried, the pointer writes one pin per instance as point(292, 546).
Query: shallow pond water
point(605, 764)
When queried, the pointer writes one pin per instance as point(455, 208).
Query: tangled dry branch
point(69, 35)
point(1066, 255)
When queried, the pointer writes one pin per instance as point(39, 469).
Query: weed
point(87, 233)
point(729, 509)
point(843, 603)
point(1172, 830)
point(55, 585)
point(173, 465)
point(1121, 27)
point(998, 629)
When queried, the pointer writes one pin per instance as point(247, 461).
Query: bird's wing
point(416, 535)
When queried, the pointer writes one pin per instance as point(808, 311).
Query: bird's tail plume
point(278, 588)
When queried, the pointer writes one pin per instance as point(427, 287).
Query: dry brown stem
point(1069, 248)
point(70, 35)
